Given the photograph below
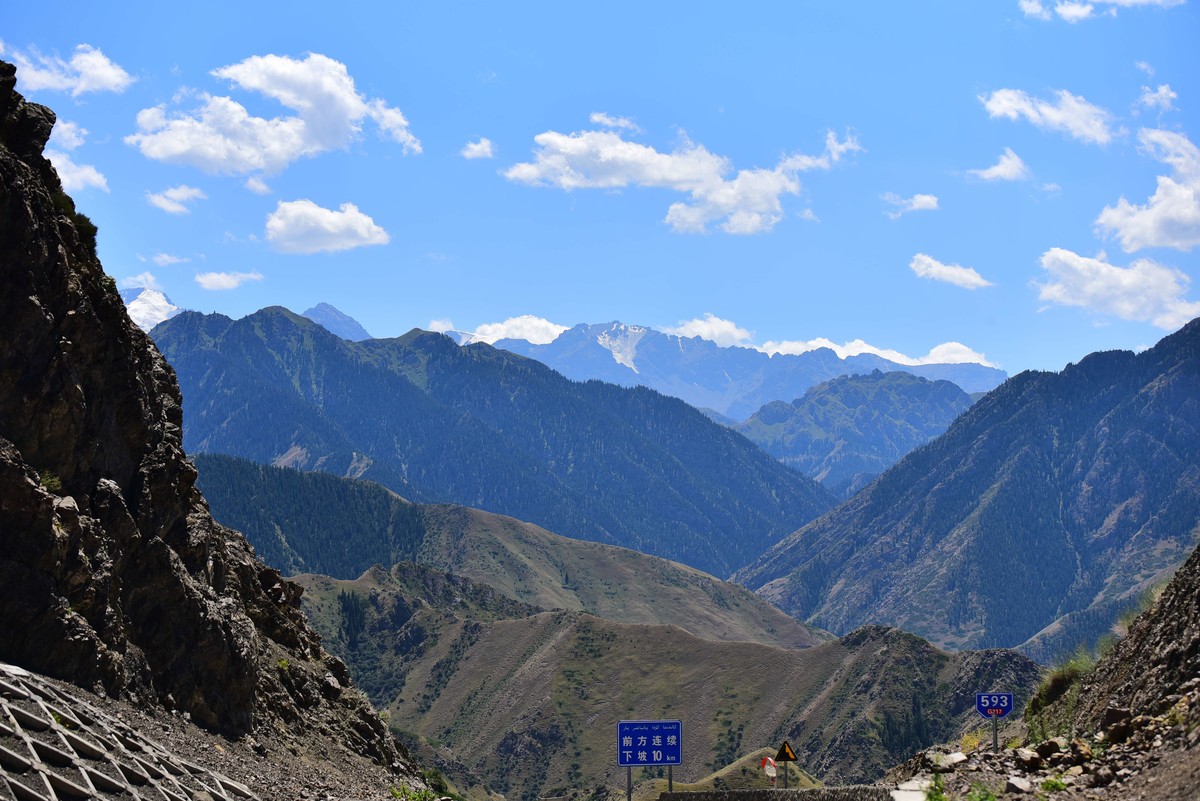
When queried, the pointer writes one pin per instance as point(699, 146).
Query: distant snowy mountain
point(148, 307)
point(733, 381)
point(337, 322)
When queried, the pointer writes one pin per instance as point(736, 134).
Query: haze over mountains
point(733, 381)
point(482, 427)
point(1040, 513)
point(846, 431)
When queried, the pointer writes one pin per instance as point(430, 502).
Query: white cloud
point(746, 203)
point(725, 333)
point(537, 330)
point(175, 199)
point(609, 121)
point(945, 353)
point(223, 137)
point(929, 267)
point(1163, 98)
point(301, 226)
point(221, 281)
point(140, 281)
point(442, 326)
point(1069, 114)
point(1074, 11)
point(906, 204)
point(257, 185)
point(1145, 291)
point(67, 135)
point(1010, 167)
point(1171, 217)
point(88, 70)
point(166, 259)
point(1146, 67)
point(1033, 8)
point(479, 149)
point(74, 176)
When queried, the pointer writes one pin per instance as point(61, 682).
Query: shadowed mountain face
point(846, 431)
point(733, 381)
point(317, 523)
point(1038, 516)
point(477, 426)
point(112, 572)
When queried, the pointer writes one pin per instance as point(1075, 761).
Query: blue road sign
point(993, 705)
point(649, 742)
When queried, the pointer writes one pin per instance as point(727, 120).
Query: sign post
point(994, 706)
point(785, 755)
point(645, 743)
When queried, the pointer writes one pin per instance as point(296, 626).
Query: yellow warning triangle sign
point(786, 754)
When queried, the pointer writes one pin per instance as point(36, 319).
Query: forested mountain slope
point(846, 431)
point(477, 426)
point(318, 523)
point(525, 701)
point(1039, 514)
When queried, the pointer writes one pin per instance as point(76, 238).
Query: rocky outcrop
point(113, 575)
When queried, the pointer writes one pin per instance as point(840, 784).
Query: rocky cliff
point(113, 575)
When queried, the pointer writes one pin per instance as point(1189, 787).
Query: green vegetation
point(855, 426)
point(1054, 784)
point(50, 482)
point(998, 533)
point(936, 791)
point(353, 611)
point(980, 792)
point(1051, 710)
point(437, 422)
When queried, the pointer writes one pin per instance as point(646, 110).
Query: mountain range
point(478, 426)
point(148, 307)
point(846, 431)
point(732, 381)
point(304, 522)
point(1042, 512)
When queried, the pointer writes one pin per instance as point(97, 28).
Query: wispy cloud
point(176, 199)
point(1067, 113)
point(479, 149)
point(1171, 217)
point(76, 177)
point(745, 202)
point(903, 205)
point(140, 281)
point(609, 121)
point(222, 281)
point(222, 137)
point(528, 327)
point(166, 259)
point(1162, 99)
point(928, 267)
point(725, 333)
point(1010, 167)
point(945, 353)
point(1145, 291)
point(301, 226)
point(88, 70)
point(1078, 10)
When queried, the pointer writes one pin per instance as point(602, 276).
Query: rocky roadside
point(1130, 757)
point(54, 729)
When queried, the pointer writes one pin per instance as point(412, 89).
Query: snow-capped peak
point(622, 340)
point(148, 307)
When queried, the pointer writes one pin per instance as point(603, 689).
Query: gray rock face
point(112, 572)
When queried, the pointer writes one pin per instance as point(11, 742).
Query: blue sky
point(1012, 181)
